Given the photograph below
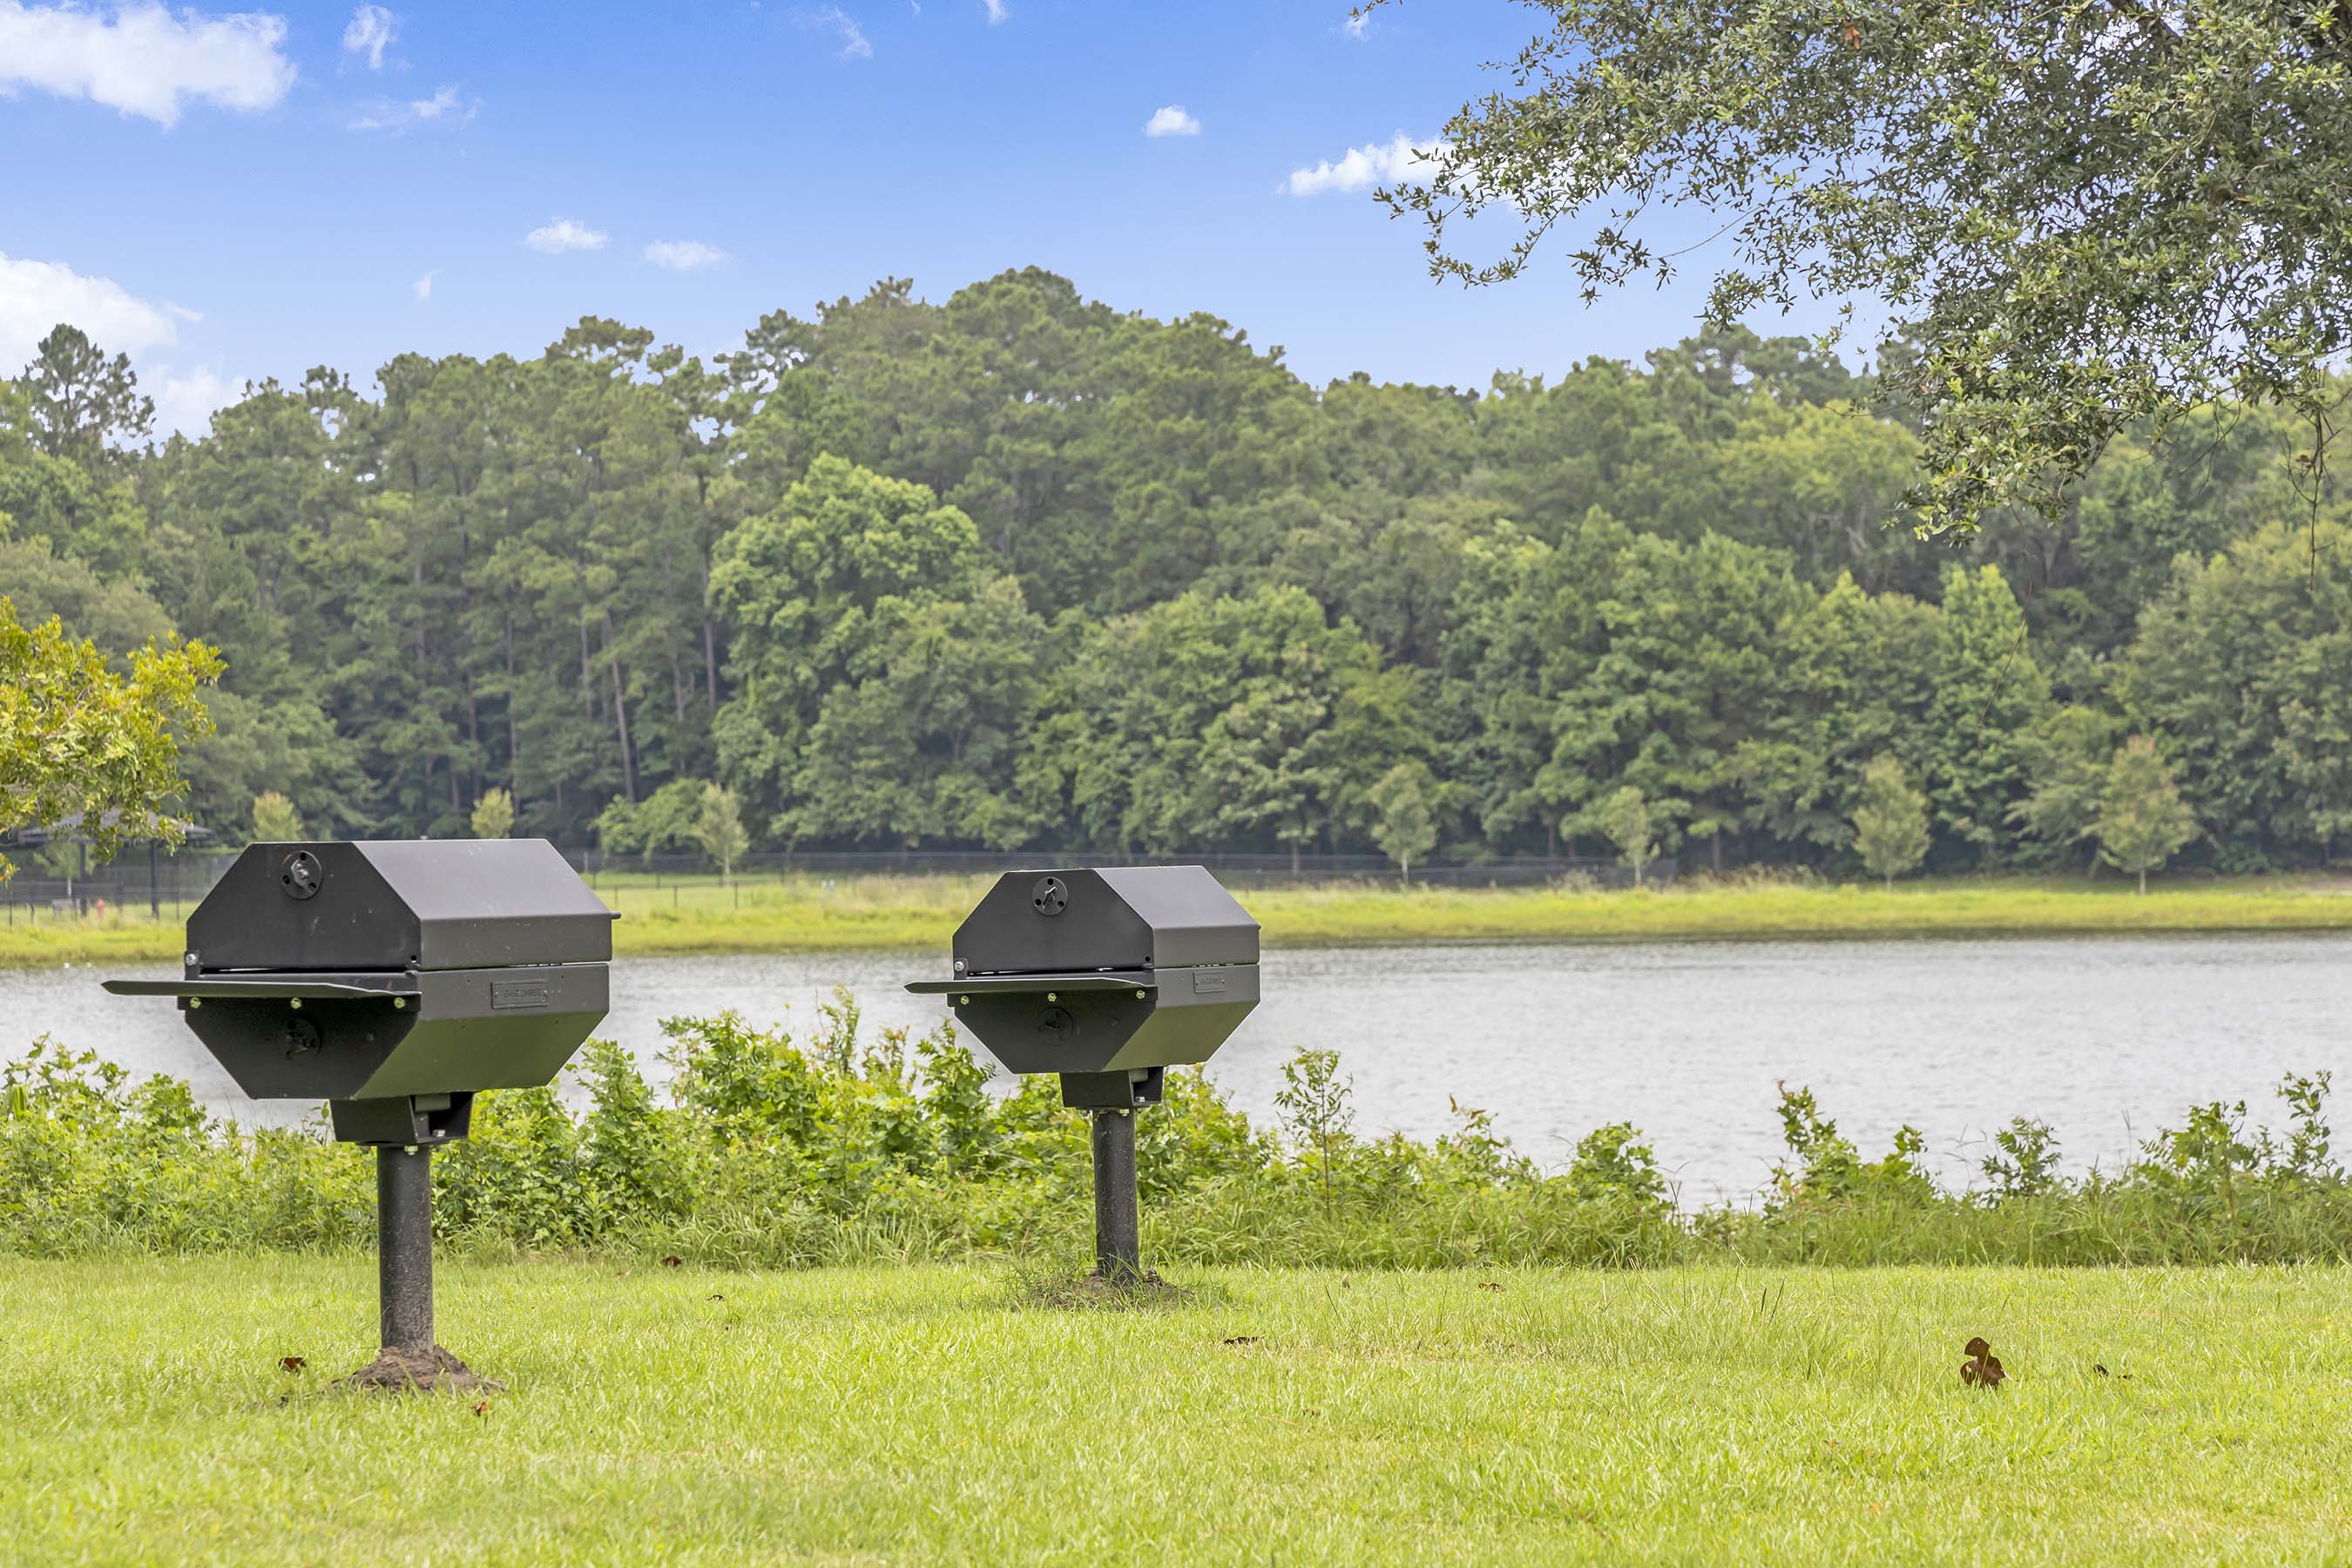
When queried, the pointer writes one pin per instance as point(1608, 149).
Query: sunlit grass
point(921, 1414)
point(809, 914)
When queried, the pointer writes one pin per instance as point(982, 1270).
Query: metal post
point(404, 1208)
point(1118, 1243)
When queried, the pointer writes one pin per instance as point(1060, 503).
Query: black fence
point(169, 885)
point(1235, 868)
point(134, 883)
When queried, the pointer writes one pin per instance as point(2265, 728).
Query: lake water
point(2105, 1038)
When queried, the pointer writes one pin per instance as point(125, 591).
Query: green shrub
point(1613, 1165)
point(2025, 1161)
point(768, 1150)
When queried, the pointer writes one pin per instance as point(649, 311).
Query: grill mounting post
point(403, 1211)
point(1118, 1241)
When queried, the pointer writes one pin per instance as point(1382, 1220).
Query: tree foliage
point(494, 814)
point(1989, 696)
point(2085, 215)
point(80, 401)
point(1890, 822)
point(276, 819)
point(2142, 818)
point(1013, 570)
point(86, 749)
point(665, 822)
point(719, 830)
point(1625, 820)
point(1404, 824)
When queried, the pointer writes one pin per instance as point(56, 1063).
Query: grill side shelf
point(1028, 985)
point(265, 987)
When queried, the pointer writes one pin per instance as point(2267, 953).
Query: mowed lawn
point(924, 1414)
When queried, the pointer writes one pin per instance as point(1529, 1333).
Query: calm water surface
point(2105, 1038)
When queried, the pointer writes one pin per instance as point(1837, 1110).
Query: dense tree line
point(1019, 570)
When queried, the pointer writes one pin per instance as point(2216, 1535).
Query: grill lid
point(399, 904)
point(1124, 918)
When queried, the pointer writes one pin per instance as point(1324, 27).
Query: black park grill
point(395, 980)
point(1108, 978)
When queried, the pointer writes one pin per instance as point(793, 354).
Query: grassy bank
point(812, 915)
point(827, 1150)
point(928, 1414)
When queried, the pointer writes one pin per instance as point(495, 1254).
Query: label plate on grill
point(506, 994)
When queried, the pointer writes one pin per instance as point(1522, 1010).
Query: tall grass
point(848, 1147)
point(809, 914)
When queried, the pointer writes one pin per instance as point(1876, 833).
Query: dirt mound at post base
point(1125, 1292)
point(433, 1371)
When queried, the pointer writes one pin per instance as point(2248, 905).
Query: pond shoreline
point(2104, 1039)
point(919, 914)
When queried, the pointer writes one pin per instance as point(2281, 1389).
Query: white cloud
point(843, 26)
point(370, 32)
point(683, 254)
point(396, 115)
point(1172, 122)
point(34, 296)
point(423, 287)
point(997, 11)
point(1358, 23)
point(143, 59)
point(563, 234)
point(1360, 168)
point(187, 403)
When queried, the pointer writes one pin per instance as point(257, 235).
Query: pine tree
point(82, 399)
point(1890, 824)
point(1990, 699)
point(2142, 818)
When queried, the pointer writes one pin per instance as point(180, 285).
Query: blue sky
point(234, 195)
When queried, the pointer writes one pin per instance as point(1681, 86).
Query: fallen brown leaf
point(1490, 1284)
point(673, 1261)
point(481, 1407)
point(292, 1362)
point(1982, 1369)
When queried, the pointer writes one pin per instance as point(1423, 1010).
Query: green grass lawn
point(814, 915)
point(924, 1414)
